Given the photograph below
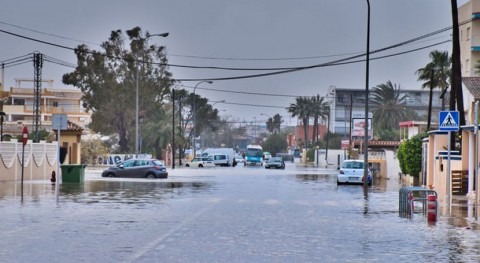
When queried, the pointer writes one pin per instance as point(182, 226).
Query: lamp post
point(328, 122)
point(136, 88)
point(367, 61)
point(1, 125)
point(215, 102)
point(264, 114)
point(195, 116)
point(255, 131)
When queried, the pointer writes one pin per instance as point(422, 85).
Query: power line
point(48, 34)
point(199, 57)
point(282, 70)
point(15, 58)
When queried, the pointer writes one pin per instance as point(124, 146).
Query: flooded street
point(224, 215)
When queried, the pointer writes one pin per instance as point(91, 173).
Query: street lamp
point(136, 88)
point(255, 130)
point(215, 102)
point(367, 61)
point(328, 121)
point(195, 115)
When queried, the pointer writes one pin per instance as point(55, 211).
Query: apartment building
point(345, 101)
point(469, 20)
point(18, 102)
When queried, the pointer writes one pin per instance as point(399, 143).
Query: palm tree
point(319, 109)
point(301, 109)
point(436, 74)
point(389, 106)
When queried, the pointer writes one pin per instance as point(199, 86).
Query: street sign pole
point(449, 189)
point(24, 141)
point(59, 121)
point(449, 121)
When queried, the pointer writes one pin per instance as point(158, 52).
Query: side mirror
point(120, 166)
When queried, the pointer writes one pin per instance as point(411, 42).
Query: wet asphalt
point(224, 214)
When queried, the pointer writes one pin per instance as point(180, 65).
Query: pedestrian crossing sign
point(449, 121)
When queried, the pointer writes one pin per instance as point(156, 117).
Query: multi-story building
point(346, 101)
point(469, 21)
point(18, 105)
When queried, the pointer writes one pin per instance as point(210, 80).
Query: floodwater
point(225, 215)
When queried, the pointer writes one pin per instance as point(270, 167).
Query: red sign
point(345, 144)
point(25, 135)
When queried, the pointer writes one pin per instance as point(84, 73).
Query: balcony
point(475, 43)
point(28, 109)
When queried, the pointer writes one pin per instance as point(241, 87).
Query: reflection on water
point(229, 218)
point(91, 191)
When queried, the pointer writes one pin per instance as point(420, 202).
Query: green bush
point(410, 155)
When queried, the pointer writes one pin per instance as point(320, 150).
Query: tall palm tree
point(436, 74)
point(389, 106)
point(301, 109)
point(319, 108)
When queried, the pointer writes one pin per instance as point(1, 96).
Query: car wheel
point(338, 182)
point(110, 175)
point(150, 176)
point(187, 165)
point(200, 165)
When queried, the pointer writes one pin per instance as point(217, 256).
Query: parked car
point(275, 162)
point(200, 162)
point(239, 158)
point(351, 172)
point(137, 168)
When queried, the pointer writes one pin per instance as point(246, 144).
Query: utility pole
point(37, 91)
point(173, 128)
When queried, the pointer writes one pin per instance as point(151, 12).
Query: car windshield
point(275, 159)
point(353, 165)
point(157, 162)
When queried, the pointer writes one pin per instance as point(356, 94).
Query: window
point(55, 104)
point(19, 102)
point(340, 98)
point(467, 37)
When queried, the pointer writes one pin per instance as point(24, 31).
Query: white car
point(351, 172)
point(200, 162)
point(239, 158)
point(267, 156)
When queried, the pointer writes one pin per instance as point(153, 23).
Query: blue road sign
point(449, 121)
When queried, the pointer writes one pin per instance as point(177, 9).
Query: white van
point(220, 159)
point(227, 151)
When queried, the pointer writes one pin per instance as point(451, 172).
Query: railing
point(28, 109)
point(411, 194)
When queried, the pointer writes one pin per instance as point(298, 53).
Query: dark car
point(275, 162)
point(137, 168)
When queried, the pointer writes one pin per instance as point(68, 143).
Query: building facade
point(348, 102)
point(18, 106)
point(469, 21)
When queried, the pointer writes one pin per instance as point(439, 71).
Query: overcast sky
point(242, 34)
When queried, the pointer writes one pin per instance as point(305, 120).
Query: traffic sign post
point(24, 142)
point(59, 122)
point(449, 121)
